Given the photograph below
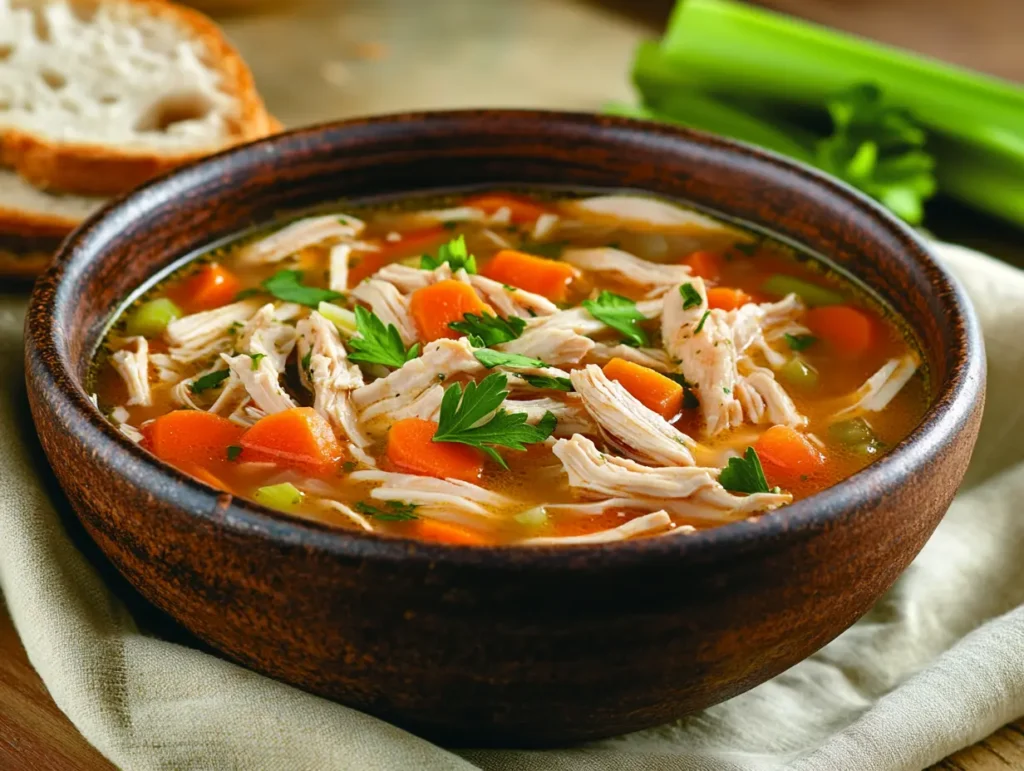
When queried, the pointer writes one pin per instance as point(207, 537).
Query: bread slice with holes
point(97, 96)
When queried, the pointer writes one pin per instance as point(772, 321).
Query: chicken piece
point(408, 279)
point(451, 500)
point(330, 375)
point(597, 473)
point(167, 370)
point(653, 358)
point(440, 360)
point(426, 406)
point(390, 305)
point(131, 362)
point(297, 236)
point(263, 335)
point(346, 511)
point(764, 399)
point(561, 347)
point(571, 416)
point(509, 301)
point(337, 271)
point(880, 389)
point(648, 524)
point(754, 325)
point(626, 268)
point(130, 432)
point(546, 226)
point(261, 380)
point(202, 335)
point(702, 341)
point(628, 425)
point(649, 214)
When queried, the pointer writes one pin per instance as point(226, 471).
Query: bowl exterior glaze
point(500, 645)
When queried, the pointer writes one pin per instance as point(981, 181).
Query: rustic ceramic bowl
point(520, 646)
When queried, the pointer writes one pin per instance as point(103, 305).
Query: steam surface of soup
point(504, 368)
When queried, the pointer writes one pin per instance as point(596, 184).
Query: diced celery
point(535, 517)
point(799, 373)
point(812, 294)
point(283, 497)
point(411, 262)
point(852, 432)
point(151, 318)
point(342, 318)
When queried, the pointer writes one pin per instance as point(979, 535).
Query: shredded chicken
point(440, 360)
point(426, 406)
point(561, 347)
point(510, 301)
point(261, 379)
point(649, 214)
point(337, 270)
point(264, 335)
point(131, 362)
point(654, 358)
point(601, 474)
point(882, 387)
point(446, 499)
point(346, 511)
point(756, 325)
point(130, 432)
point(297, 236)
point(571, 417)
point(628, 425)
point(545, 227)
point(648, 524)
point(202, 335)
point(764, 399)
point(390, 306)
point(627, 268)
point(330, 375)
point(408, 279)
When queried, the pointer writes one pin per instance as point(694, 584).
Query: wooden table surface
point(320, 59)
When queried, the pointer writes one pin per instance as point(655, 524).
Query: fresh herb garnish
point(620, 313)
point(464, 419)
point(691, 297)
point(800, 342)
point(551, 250)
point(492, 359)
point(247, 293)
point(492, 330)
point(744, 475)
point(208, 381)
point(376, 344)
point(393, 511)
point(454, 253)
point(256, 359)
point(700, 324)
point(287, 285)
point(233, 452)
point(307, 363)
point(546, 381)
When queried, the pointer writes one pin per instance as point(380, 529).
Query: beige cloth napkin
point(936, 665)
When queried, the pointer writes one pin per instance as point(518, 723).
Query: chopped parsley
point(307, 364)
point(620, 313)
point(492, 330)
point(233, 452)
point(546, 381)
point(691, 297)
point(256, 359)
point(492, 359)
point(454, 253)
point(377, 344)
point(475, 417)
point(393, 511)
point(744, 475)
point(800, 342)
point(287, 285)
point(208, 381)
point(700, 324)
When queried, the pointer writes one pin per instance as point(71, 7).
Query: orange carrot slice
point(204, 475)
point(434, 307)
point(210, 287)
point(190, 436)
point(786, 454)
point(412, 243)
point(652, 389)
point(445, 532)
point(726, 298)
point(521, 209)
point(299, 438)
point(849, 330)
point(534, 274)
point(410, 449)
point(705, 265)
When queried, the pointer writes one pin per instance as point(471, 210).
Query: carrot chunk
point(204, 475)
point(410, 449)
point(705, 265)
point(211, 287)
point(521, 209)
point(412, 243)
point(434, 307)
point(299, 438)
point(534, 274)
point(786, 454)
point(849, 330)
point(190, 437)
point(445, 532)
point(652, 389)
point(726, 298)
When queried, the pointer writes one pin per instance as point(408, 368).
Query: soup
point(508, 368)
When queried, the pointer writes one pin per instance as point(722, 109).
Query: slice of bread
point(97, 96)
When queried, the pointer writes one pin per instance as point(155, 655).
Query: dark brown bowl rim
point(947, 414)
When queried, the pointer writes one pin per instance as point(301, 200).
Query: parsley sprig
point(546, 381)
point(393, 511)
point(491, 330)
point(620, 313)
point(691, 297)
point(377, 344)
point(454, 253)
point(744, 475)
point(492, 359)
point(800, 342)
point(287, 285)
point(208, 381)
point(475, 417)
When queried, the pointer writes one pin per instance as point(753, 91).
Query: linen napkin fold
point(937, 664)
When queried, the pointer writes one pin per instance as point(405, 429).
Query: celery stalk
point(748, 53)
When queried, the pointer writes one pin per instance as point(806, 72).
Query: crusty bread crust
point(23, 267)
point(102, 170)
point(30, 224)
